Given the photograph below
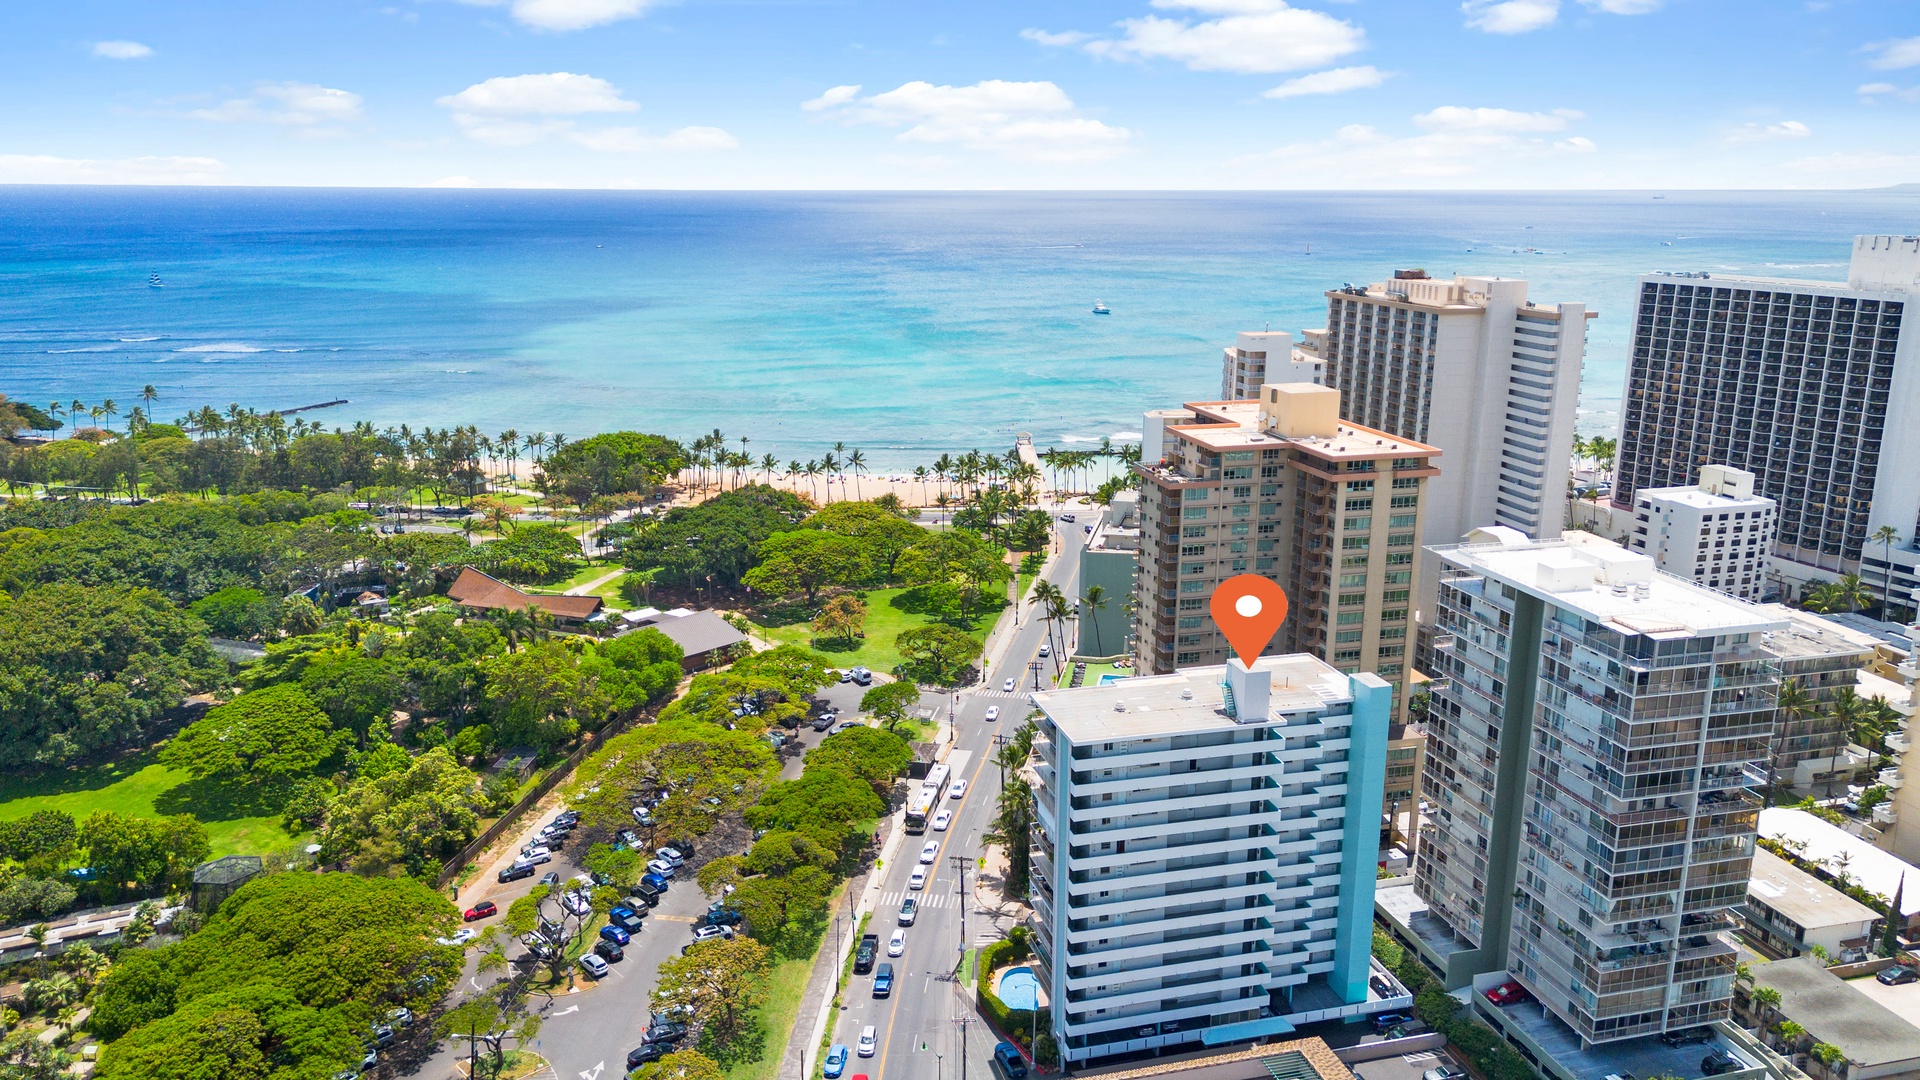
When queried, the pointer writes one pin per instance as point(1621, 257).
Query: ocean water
point(905, 324)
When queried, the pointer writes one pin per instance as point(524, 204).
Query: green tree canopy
point(405, 821)
point(874, 756)
point(718, 538)
point(805, 561)
point(890, 703)
point(86, 670)
point(356, 691)
point(720, 981)
point(882, 533)
point(635, 669)
point(237, 611)
point(936, 653)
point(533, 553)
point(819, 796)
point(542, 695)
point(143, 851)
point(618, 461)
point(271, 734)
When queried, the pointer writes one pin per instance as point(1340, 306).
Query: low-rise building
point(1822, 658)
point(1790, 911)
point(478, 591)
point(1821, 844)
point(1875, 1042)
point(1717, 532)
point(705, 637)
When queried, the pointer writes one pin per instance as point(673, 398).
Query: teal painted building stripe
point(1360, 836)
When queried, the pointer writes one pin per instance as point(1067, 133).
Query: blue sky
point(1159, 94)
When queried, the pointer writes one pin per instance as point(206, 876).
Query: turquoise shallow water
point(906, 324)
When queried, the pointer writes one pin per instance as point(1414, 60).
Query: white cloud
point(1067, 37)
point(1250, 37)
point(1870, 91)
point(1459, 143)
point(633, 140)
point(568, 14)
point(1332, 81)
point(1785, 129)
point(1033, 121)
point(1624, 7)
point(297, 103)
point(121, 50)
point(839, 95)
point(45, 169)
point(560, 93)
point(1896, 54)
point(1507, 121)
point(1510, 16)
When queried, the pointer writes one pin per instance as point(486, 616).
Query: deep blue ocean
point(905, 324)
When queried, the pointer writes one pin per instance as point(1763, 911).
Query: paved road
point(916, 1025)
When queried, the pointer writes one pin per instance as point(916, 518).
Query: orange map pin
point(1248, 609)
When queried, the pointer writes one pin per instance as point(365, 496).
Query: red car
point(483, 910)
point(1508, 993)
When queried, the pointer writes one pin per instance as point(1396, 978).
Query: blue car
point(615, 935)
point(655, 882)
point(836, 1061)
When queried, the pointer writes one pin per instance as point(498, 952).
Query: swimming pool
point(1020, 988)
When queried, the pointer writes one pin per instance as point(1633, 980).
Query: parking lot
point(1405, 1067)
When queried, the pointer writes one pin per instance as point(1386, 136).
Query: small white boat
point(154, 282)
point(1101, 309)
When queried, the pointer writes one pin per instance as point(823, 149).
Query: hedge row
point(1490, 1056)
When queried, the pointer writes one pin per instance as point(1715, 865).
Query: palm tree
point(149, 395)
point(1095, 601)
point(1885, 535)
point(857, 462)
point(1851, 591)
point(1792, 703)
point(75, 410)
point(768, 463)
point(513, 622)
point(830, 465)
point(1846, 708)
point(812, 469)
point(1051, 602)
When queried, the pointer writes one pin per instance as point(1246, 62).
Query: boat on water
point(1101, 309)
point(154, 282)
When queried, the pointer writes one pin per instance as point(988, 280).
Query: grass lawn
point(786, 986)
point(241, 819)
point(587, 573)
point(889, 611)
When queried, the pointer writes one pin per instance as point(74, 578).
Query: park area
point(242, 818)
point(888, 612)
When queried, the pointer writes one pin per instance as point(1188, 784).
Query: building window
point(1359, 504)
point(1345, 655)
point(1355, 543)
point(1403, 482)
point(1404, 502)
point(1358, 524)
point(1359, 485)
point(1351, 618)
point(1400, 540)
point(1401, 521)
point(1394, 615)
point(1348, 562)
point(1349, 599)
point(1353, 581)
point(1388, 670)
point(1346, 637)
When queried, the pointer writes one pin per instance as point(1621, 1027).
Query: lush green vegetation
point(1489, 1055)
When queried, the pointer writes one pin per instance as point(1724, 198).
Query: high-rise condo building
point(1280, 487)
point(1108, 561)
point(1204, 845)
point(1812, 386)
point(1263, 356)
point(1591, 748)
point(1717, 532)
point(1473, 367)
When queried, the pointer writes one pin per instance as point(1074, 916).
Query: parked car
point(1389, 1021)
point(577, 902)
point(516, 872)
point(1508, 993)
point(918, 879)
point(883, 981)
point(836, 1064)
point(383, 1035)
point(993, 712)
point(401, 1015)
point(594, 964)
point(551, 877)
point(897, 944)
point(1687, 1036)
point(643, 816)
point(908, 909)
point(654, 881)
point(1898, 974)
point(869, 1041)
point(646, 894)
point(568, 817)
point(662, 867)
point(845, 725)
point(958, 790)
point(458, 937)
point(1444, 1072)
point(1069, 519)
point(864, 953)
point(929, 851)
point(645, 1052)
point(615, 935)
point(1720, 1061)
point(665, 1031)
point(823, 722)
point(535, 856)
point(671, 855)
point(708, 933)
point(485, 909)
point(628, 911)
point(1010, 1061)
point(608, 951)
point(722, 916)
point(941, 820)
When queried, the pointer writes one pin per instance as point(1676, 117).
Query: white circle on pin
point(1247, 606)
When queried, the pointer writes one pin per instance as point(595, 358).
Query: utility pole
point(960, 876)
point(960, 1052)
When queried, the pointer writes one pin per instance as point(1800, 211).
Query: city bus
point(925, 802)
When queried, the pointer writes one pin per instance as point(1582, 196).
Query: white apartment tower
point(1813, 386)
point(1473, 367)
point(1595, 730)
point(1204, 853)
point(1717, 533)
point(1263, 356)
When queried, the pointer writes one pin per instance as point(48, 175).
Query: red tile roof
point(477, 590)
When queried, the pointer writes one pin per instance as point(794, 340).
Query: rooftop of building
point(481, 591)
point(1301, 1059)
point(1886, 633)
point(1800, 897)
point(1824, 844)
point(1235, 425)
point(1608, 584)
point(1832, 1012)
point(1691, 495)
point(1192, 699)
point(1643, 1056)
point(1808, 635)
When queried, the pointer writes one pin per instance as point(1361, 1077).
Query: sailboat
point(1101, 309)
point(154, 282)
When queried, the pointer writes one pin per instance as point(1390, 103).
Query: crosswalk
point(935, 899)
point(1020, 693)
